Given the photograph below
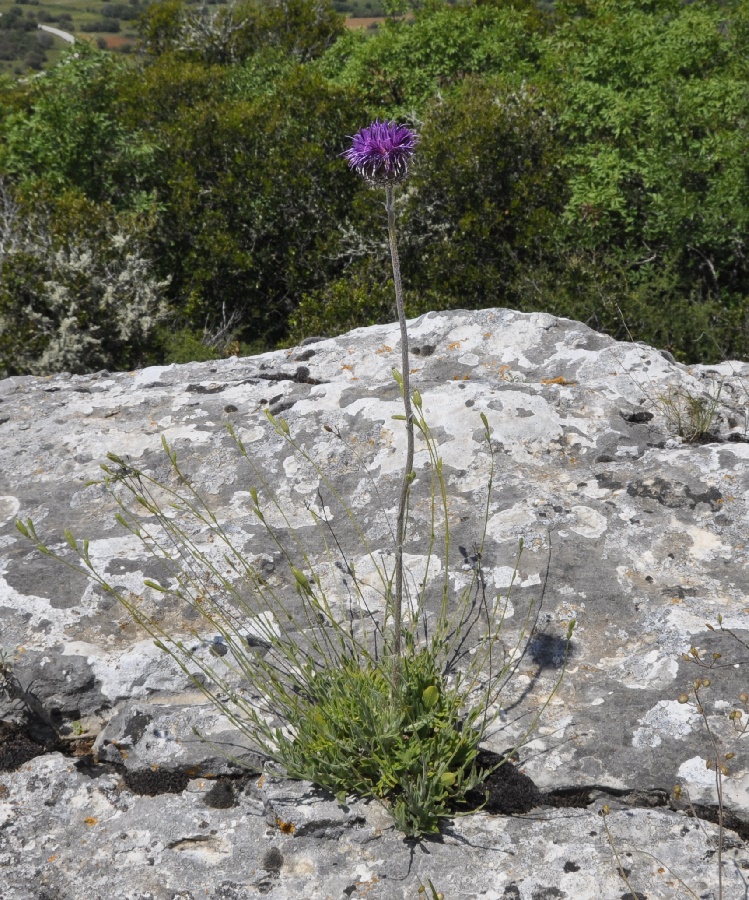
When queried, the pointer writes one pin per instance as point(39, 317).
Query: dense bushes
point(485, 190)
point(112, 26)
point(404, 64)
point(301, 29)
point(77, 288)
point(653, 105)
point(590, 161)
point(609, 183)
point(68, 131)
point(252, 194)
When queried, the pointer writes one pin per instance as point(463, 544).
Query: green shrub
point(111, 26)
point(251, 237)
point(487, 189)
point(405, 63)
point(602, 289)
point(67, 131)
point(301, 29)
point(362, 297)
point(183, 345)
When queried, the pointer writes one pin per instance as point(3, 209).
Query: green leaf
point(155, 585)
point(430, 696)
point(301, 580)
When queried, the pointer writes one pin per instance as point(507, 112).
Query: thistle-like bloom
point(381, 153)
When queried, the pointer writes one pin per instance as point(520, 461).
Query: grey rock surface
point(70, 836)
point(629, 527)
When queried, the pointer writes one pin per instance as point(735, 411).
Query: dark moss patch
point(17, 748)
point(272, 860)
point(569, 798)
point(221, 795)
point(548, 893)
point(151, 783)
point(506, 790)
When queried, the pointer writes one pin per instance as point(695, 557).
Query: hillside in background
point(25, 48)
point(188, 200)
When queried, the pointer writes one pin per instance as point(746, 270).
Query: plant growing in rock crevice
point(376, 685)
point(691, 415)
point(307, 678)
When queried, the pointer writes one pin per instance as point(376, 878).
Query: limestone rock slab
point(633, 531)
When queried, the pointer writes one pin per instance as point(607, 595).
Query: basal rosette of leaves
point(419, 756)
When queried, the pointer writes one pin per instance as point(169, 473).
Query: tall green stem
point(400, 532)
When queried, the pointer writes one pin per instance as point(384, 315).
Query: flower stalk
point(400, 530)
point(381, 154)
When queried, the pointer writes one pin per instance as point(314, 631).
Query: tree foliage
point(253, 192)
point(67, 131)
point(405, 63)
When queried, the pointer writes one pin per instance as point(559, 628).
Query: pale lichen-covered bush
point(78, 303)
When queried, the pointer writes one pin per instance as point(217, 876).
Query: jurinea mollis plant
point(381, 691)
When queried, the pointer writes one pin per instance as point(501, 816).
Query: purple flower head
point(381, 153)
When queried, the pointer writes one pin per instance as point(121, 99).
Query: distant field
point(25, 49)
point(364, 21)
